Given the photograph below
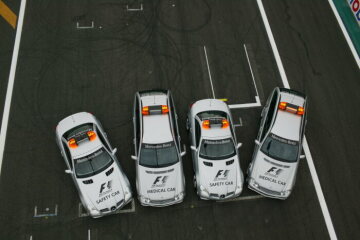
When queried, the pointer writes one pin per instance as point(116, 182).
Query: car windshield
point(158, 155)
point(217, 149)
point(280, 148)
point(93, 163)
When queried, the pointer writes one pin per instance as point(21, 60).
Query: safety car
point(214, 149)
point(101, 183)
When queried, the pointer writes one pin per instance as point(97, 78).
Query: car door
point(174, 118)
point(268, 115)
point(197, 137)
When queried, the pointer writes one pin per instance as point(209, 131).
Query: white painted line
point(31, 237)
point(314, 176)
point(252, 197)
point(252, 74)
point(246, 105)
point(135, 9)
point(89, 234)
point(47, 214)
point(9, 91)
point(346, 34)
point(85, 27)
point(208, 67)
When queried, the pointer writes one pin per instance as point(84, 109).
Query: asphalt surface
point(63, 70)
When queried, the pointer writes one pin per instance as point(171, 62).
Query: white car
point(102, 185)
point(273, 169)
point(160, 179)
point(218, 175)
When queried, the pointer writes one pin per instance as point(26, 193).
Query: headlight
point(285, 193)
point(94, 212)
point(253, 183)
point(204, 190)
point(144, 199)
point(179, 196)
point(238, 189)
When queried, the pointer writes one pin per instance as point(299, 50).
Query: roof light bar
point(206, 124)
point(72, 143)
point(225, 123)
point(91, 135)
point(157, 109)
point(291, 108)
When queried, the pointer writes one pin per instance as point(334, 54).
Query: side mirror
point(68, 171)
point(134, 157)
point(302, 156)
point(183, 152)
point(257, 142)
point(238, 145)
point(193, 148)
point(114, 150)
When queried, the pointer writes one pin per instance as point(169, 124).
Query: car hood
point(104, 191)
point(160, 183)
point(222, 177)
point(273, 174)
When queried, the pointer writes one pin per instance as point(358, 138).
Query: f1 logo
point(222, 173)
point(108, 185)
point(161, 179)
point(275, 170)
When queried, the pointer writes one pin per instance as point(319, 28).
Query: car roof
point(212, 105)
point(156, 128)
point(76, 120)
point(288, 125)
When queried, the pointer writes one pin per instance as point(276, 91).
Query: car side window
point(68, 156)
point(102, 138)
point(269, 115)
point(197, 133)
point(174, 120)
point(137, 122)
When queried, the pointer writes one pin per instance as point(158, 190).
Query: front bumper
point(268, 193)
point(113, 210)
point(160, 203)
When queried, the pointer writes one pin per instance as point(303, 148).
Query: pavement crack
point(301, 39)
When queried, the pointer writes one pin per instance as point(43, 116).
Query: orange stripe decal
point(7, 14)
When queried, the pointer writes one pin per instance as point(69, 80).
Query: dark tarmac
point(174, 45)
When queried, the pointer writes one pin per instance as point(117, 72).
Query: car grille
point(214, 195)
point(162, 201)
point(268, 191)
point(104, 210)
point(109, 171)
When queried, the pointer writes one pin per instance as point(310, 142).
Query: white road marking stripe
point(208, 67)
point(309, 159)
point(246, 105)
point(252, 74)
point(89, 234)
point(346, 34)
point(9, 91)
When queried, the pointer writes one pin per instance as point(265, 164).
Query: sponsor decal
point(221, 179)
point(355, 8)
point(217, 141)
point(105, 188)
point(283, 140)
point(274, 172)
point(273, 180)
point(160, 181)
point(104, 198)
point(161, 190)
point(158, 146)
